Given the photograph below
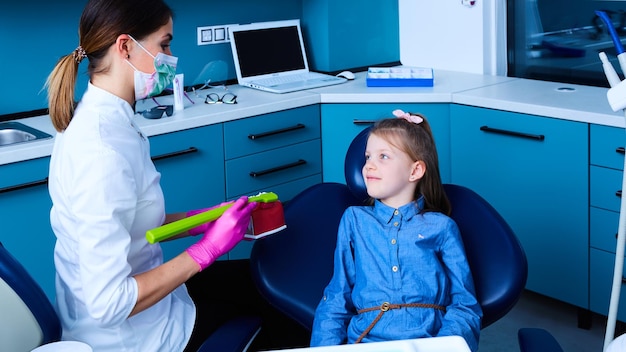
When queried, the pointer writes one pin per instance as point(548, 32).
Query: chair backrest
point(28, 319)
point(292, 268)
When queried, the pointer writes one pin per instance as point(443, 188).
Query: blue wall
point(35, 34)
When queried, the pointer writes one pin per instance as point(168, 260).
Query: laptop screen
point(269, 50)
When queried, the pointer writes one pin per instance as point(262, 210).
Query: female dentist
point(114, 292)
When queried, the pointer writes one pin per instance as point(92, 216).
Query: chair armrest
point(234, 336)
point(535, 339)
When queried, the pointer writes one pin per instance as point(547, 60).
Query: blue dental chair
point(292, 268)
point(28, 319)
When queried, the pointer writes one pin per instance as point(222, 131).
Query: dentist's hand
point(223, 234)
point(204, 227)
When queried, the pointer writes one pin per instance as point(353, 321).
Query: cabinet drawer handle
point(173, 154)
point(538, 137)
point(279, 131)
point(24, 185)
point(619, 193)
point(278, 168)
point(363, 122)
point(620, 150)
point(623, 280)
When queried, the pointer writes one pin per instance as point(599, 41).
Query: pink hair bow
point(405, 115)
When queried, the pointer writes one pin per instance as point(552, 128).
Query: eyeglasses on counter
point(226, 98)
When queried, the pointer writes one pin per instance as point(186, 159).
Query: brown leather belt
point(387, 306)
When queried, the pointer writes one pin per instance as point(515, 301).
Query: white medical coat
point(105, 192)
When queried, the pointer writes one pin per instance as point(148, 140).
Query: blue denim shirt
point(397, 256)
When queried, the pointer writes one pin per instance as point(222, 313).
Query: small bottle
point(179, 91)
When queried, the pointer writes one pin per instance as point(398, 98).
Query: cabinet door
point(342, 122)
point(25, 217)
point(191, 163)
point(535, 172)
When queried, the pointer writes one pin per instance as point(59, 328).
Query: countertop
point(557, 100)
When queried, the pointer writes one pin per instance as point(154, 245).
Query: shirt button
point(396, 212)
point(395, 224)
point(394, 268)
point(393, 241)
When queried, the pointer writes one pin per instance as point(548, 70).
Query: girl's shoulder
point(439, 217)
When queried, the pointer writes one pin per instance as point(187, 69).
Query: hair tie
point(79, 54)
point(416, 119)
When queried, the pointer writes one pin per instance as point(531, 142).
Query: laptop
point(270, 56)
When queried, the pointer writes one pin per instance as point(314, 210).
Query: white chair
point(28, 319)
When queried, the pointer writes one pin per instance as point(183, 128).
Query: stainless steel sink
point(15, 132)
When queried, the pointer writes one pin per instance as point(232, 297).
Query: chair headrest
point(353, 165)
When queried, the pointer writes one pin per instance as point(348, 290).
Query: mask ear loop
point(141, 46)
point(131, 65)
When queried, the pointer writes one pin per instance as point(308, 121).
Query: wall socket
point(214, 34)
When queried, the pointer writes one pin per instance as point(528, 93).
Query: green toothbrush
point(174, 228)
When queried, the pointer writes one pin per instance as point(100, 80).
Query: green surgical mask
point(151, 84)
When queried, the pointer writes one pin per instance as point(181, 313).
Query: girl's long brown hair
point(101, 23)
point(418, 142)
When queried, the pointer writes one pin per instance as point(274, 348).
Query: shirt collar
point(100, 96)
point(406, 212)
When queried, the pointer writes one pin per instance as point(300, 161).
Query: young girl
point(400, 268)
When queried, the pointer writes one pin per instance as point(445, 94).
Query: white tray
point(433, 344)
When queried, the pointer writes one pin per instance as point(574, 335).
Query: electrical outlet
point(214, 34)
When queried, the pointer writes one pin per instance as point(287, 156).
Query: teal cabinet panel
point(606, 187)
point(271, 131)
point(349, 34)
point(603, 226)
point(602, 265)
point(607, 146)
point(535, 172)
point(191, 163)
point(263, 170)
point(25, 219)
point(342, 122)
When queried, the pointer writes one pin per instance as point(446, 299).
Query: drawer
point(603, 229)
point(271, 131)
point(24, 174)
point(605, 188)
point(262, 171)
point(607, 146)
point(601, 280)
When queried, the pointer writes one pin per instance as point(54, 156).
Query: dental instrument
point(619, 48)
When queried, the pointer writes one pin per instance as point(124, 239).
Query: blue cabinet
point(535, 172)
point(607, 163)
point(342, 122)
point(191, 163)
point(25, 219)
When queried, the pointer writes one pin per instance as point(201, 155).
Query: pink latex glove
point(223, 234)
point(204, 227)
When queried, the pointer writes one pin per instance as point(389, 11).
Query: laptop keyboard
point(280, 80)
